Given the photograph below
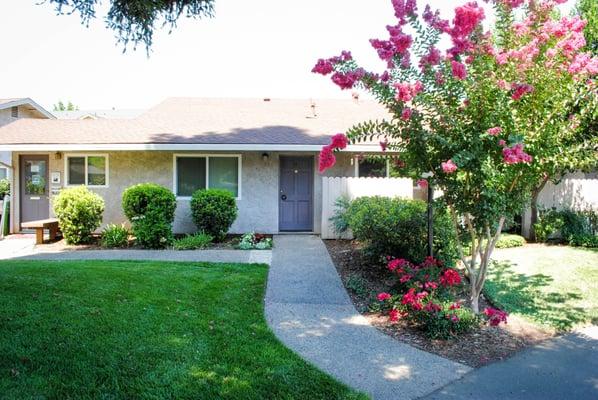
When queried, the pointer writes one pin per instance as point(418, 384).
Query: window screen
point(224, 174)
point(191, 175)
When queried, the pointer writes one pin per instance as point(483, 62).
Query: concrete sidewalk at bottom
point(310, 312)
point(562, 368)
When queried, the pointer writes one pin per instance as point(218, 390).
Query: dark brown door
point(296, 194)
point(35, 197)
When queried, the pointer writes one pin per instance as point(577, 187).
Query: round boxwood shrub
point(150, 209)
point(79, 212)
point(398, 228)
point(214, 211)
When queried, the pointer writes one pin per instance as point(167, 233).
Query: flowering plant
point(426, 295)
point(486, 118)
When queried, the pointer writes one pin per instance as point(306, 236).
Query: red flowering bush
point(487, 120)
point(425, 295)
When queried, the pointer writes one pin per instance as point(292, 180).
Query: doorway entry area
point(295, 202)
point(34, 187)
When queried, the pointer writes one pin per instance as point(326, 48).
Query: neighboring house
point(12, 110)
point(262, 150)
point(98, 114)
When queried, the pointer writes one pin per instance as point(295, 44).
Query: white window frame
point(357, 168)
point(86, 156)
point(207, 157)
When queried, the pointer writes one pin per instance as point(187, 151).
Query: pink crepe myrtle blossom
point(521, 89)
point(439, 77)
point(383, 296)
point(502, 142)
point(323, 67)
point(494, 131)
point(406, 91)
point(431, 58)
point(422, 183)
point(459, 70)
point(448, 167)
point(401, 42)
point(406, 113)
point(384, 144)
point(347, 80)
point(339, 141)
point(326, 158)
point(393, 315)
point(495, 316)
point(515, 154)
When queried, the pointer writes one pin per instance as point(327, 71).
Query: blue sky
point(261, 48)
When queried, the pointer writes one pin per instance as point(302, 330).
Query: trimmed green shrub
point(4, 188)
point(150, 208)
point(115, 236)
point(508, 240)
point(398, 228)
point(214, 211)
point(584, 240)
point(79, 212)
point(193, 242)
point(565, 224)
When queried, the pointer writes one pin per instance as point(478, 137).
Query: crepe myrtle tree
point(482, 118)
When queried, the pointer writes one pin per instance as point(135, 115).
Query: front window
point(3, 173)
point(90, 170)
point(372, 168)
point(200, 172)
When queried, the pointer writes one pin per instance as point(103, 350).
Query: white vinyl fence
point(574, 193)
point(351, 188)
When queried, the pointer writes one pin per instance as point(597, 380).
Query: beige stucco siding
point(258, 203)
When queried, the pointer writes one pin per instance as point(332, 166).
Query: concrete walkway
point(311, 313)
point(22, 247)
point(563, 368)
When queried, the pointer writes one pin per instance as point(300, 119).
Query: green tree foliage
point(136, 20)
point(60, 106)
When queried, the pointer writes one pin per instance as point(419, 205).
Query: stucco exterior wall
point(258, 204)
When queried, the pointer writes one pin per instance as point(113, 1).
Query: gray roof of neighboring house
point(26, 101)
point(99, 114)
point(206, 121)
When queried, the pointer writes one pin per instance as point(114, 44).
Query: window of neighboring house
point(3, 173)
point(90, 170)
point(14, 112)
point(200, 172)
point(372, 168)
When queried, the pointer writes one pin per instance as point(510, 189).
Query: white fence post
point(352, 188)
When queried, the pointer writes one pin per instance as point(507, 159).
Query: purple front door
point(296, 194)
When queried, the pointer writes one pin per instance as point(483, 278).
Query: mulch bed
point(230, 243)
point(478, 348)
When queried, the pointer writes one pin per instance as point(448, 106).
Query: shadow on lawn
point(526, 295)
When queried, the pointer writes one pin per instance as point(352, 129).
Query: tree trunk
point(534, 209)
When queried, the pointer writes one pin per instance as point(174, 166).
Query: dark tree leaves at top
point(134, 21)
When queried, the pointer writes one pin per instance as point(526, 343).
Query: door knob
point(283, 197)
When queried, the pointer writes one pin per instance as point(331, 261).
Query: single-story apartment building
point(263, 150)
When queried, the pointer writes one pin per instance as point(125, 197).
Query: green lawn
point(556, 286)
point(152, 330)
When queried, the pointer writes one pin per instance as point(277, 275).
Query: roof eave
point(179, 147)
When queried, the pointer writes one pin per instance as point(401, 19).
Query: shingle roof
point(205, 121)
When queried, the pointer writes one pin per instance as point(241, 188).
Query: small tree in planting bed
point(486, 117)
